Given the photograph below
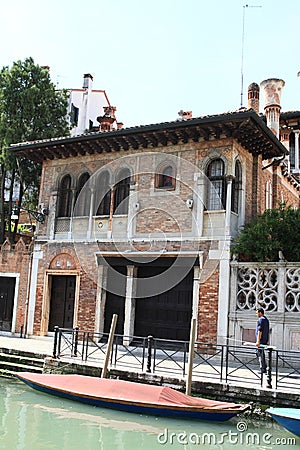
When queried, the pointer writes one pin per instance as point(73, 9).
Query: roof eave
point(246, 127)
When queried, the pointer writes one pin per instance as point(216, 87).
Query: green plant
point(271, 236)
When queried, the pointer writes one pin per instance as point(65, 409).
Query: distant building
point(85, 106)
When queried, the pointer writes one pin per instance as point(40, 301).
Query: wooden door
point(7, 294)
point(62, 301)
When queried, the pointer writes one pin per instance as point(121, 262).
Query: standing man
point(262, 338)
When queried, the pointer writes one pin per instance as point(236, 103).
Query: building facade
point(141, 220)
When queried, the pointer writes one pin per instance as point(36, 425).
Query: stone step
point(21, 359)
point(8, 367)
point(9, 351)
point(12, 361)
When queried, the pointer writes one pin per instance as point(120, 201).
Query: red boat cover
point(123, 390)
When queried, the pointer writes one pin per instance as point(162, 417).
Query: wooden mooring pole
point(109, 344)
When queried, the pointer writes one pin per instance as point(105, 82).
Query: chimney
point(185, 115)
point(253, 97)
point(107, 120)
point(272, 92)
point(87, 81)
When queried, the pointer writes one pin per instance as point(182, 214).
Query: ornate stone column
point(200, 202)
point(111, 212)
point(73, 201)
point(196, 290)
point(52, 215)
point(131, 284)
point(133, 208)
point(101, 298)
point(37, 255)
point(91, 213)
point(224, 291)
point(229, 180)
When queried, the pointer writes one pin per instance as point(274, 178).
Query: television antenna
point(243, 45)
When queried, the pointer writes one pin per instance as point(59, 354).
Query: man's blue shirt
point(263, 326)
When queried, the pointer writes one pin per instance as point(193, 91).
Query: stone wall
point(15, 261)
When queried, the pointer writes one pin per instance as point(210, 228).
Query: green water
point(30, 420)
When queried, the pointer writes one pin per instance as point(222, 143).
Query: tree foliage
point(30, 109)
point(271, 236)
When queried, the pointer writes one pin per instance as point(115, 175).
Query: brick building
point(141, 220)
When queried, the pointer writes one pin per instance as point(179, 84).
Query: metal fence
point(212, 362)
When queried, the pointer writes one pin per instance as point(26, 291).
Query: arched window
point(122, 192)
point(236, 187)
point(103, 195)
point(216, 189)
point(64, 197)
point(165, 178)
point(82, 205)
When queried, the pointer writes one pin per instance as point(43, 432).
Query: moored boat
point(132, 397)
point(289, 418)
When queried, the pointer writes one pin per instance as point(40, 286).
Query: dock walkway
point(249, 389)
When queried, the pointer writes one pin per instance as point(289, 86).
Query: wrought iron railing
point(219, 363)
point(287, 369)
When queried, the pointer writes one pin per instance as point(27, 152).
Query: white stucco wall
point(90, 104)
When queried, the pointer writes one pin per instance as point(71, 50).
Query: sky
point(155, 58)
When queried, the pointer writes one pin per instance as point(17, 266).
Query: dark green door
point(62, 301)
point(7, 294)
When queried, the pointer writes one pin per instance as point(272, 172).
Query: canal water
point(30, 420)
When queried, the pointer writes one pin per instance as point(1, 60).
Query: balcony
point(81, 228)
